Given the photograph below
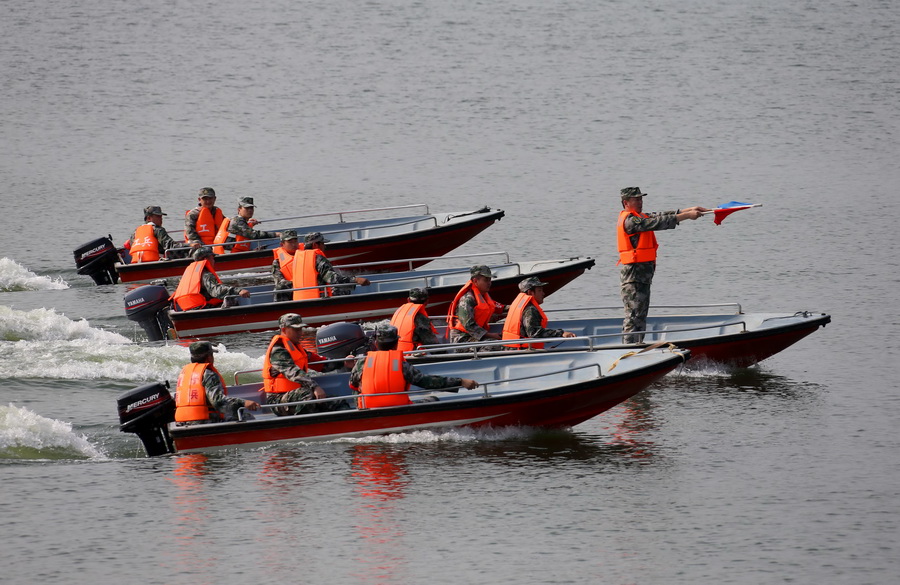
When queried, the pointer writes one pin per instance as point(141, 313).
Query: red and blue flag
point(723, 211)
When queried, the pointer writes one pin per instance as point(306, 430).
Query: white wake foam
point(15, 277)
point(26, 435)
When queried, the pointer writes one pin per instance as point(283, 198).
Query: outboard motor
point(146, 411)
point(338, 340)
point(97, 259)
point(149, 305)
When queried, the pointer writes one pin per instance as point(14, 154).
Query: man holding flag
point(637, 255)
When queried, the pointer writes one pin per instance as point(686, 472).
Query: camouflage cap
point(481, 270)
point(530, 283)
point(291, 320)
point(629, 192)
point(201, 253)
point(288, 235)
point(246, 202)
point(387, 333)
point(314, 238)
point(153, 210)
point(207, 192)
point(201, 349)
point(418, 295)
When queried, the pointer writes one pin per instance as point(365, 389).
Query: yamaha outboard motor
point(149, 305)
point(97, 259)
point(146, 411)
point(338, 340)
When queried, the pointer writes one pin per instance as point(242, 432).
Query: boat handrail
point(737, 306)
point(429, 258)
point(476, 345)
point(341, 214)
point(483, 394)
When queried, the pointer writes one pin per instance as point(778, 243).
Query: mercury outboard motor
point(147, 411)
point(149, 305)
point(97, 259)
point(338, 340)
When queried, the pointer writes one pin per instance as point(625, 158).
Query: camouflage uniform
point(422, 331)
point(282, 363)
point(165, 241)
point(636, 278)
point(211, 288)
point(190, 225)
point(281, 283)
point(240, 227)
point(328, 274)
point(465, 312)
point(215, 395)
point(411, 374)
point(531, 325)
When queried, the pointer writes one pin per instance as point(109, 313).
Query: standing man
point(285, 370)
point(283, 265)
point(200, 393)
point(200, 287)
point(526, 319)
point(385, 371)
point(150, 241)
point(312, 268)
point(240, 229)
point(412, 322)
point(470, 313)
point(637, 255)
point(201, 224)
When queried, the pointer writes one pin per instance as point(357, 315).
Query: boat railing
point(494, 345)
point(737, 307)
point(483, 394)
point(410, 261)
point(341, 214)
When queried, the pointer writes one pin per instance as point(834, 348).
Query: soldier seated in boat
point(385, 371)
point(526, 319)
point(150, 241)
point(412, 322)
point(200, 287)
point(202, 223)
point(286, 368)
point(200, 393)
point(240, 229)
point(312, 268)
point(471, 312)
point(283, 264)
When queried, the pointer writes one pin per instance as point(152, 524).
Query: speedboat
point(149, 305)
point(720, 333)
point(550, 390)
point(351, 241)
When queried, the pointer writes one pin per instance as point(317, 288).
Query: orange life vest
point(404, 320)
point(145, 247)
point(280, 384)
point(222, 237)
point(305, 274)
point(512, 328)
point(383, 373)
point(646, 246)
point(190, 395)
point(485, 307)
point(285, 262)
point(187, 294)
point(208, 224)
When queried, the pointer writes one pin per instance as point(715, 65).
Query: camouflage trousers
point(636, 298)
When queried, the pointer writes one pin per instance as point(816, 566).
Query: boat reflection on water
point(195, 514)
point(382, 477)
point(632, 424)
